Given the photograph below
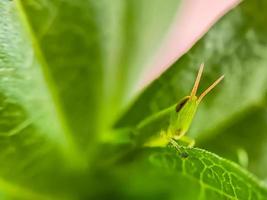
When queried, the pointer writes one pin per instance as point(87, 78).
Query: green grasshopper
point(183, 116)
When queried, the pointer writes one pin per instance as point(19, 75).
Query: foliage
point(71, 129)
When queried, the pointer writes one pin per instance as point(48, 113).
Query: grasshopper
point(184, 113)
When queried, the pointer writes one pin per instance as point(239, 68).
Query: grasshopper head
point(187, 107)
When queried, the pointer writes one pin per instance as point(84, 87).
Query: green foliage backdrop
point(71, 129)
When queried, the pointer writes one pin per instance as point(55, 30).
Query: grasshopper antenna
point(210, 88)
point(196, 84)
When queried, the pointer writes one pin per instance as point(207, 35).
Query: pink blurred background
point(192, 22)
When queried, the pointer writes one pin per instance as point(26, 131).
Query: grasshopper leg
point(189, 141)
point(174, 143)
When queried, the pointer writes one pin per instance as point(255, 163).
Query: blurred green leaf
point(63, 69)
point(14, 192)
point(55, 59)
point(102, 35)
point(132, 32)
point(31, 138)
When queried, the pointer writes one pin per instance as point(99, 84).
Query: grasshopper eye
point(181, 104)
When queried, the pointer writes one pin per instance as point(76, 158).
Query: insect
point(182, 118)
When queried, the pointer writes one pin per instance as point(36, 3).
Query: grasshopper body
point(184, 113)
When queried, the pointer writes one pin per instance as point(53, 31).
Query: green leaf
point(31, 138)
point(14, 192)
point(191, 174)
point(243, 141)
point(103, 51)
point(215, 176)
point(54, 68)
point(132, 32)
point(63, 69)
